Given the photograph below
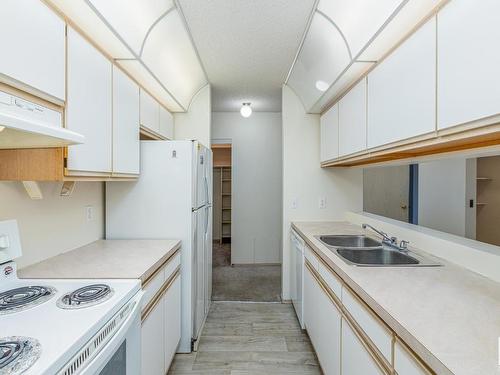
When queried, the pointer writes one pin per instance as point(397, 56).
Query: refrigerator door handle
point(207, 201)
point(206, 220)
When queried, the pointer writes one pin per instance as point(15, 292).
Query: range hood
point(24, 124)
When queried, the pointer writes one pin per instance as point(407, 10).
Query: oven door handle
point(100, 360)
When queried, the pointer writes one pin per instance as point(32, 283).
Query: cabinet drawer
point(405, 362)
point(372, 326)
point(331, 280)
point(311, 257)
point(153, 286)
point(172, 264)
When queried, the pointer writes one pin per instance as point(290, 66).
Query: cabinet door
point(153, 341)
point(172, 320)
point(352, 120)
point(355, 357)
point(402, 90)
point(329, 142)
point(125, 124)
point(405, 363)
point(309, 297)
point(150, 112)
point(166, 123)
point(33, 46)
point(89, 106)
point(324, 326)
point(468, 61)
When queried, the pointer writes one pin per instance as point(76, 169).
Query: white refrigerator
point(172, 199)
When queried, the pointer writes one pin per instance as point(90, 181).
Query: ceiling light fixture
point(246, 110)
point(322, 85)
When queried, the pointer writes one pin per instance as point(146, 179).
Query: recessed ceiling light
point(246, 110)
point(322, 85)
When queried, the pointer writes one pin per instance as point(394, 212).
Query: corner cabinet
point(402, 90)
point(32, 37)
point(156, 121)
point(89, 108)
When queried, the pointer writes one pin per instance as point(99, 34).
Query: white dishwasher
point(297, 279)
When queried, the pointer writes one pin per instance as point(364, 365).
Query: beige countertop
point(448, 315)
point(105, 259)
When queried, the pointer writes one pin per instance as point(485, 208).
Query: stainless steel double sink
point(360, 250)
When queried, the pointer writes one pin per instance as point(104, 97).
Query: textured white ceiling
point(247, 47)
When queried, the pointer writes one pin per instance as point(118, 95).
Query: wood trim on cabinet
point(158, 296)
point(367, 343)
point(473, 135)
point(412, 354)
point(150, 135)
point(160, 268)
point(381, 360)
point(32, 164)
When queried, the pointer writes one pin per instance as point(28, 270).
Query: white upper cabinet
point(126, 145)
point(150, 112)
point(352, 120)
point(33, 47)
point(468, 61)
point(89, 107)
point(402, 90)
point(344, 39)
point(329, 134)
point(166, 124)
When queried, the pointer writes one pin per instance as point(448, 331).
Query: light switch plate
point(10, 234)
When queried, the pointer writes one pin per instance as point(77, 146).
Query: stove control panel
point(10, 243)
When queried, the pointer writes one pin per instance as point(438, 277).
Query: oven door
point(122, 354)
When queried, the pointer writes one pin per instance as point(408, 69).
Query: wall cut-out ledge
point(452, 140)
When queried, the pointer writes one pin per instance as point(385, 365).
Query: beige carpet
point(243, 282)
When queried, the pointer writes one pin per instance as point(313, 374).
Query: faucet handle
point(394, 240)
point(404, 244)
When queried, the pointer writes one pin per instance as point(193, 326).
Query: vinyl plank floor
point(248, 339)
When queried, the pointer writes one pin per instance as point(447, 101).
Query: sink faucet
point(390, 241)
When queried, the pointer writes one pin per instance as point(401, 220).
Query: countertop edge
point(415, 345)
point(159, 264)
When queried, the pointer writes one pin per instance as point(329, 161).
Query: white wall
point(54, 224)
point(305, 182)
point(442, 196)
point(196, 122)
point(256, 190)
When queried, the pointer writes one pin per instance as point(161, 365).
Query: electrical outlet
point(89, 213)
point(322, 203)
point(295, 203)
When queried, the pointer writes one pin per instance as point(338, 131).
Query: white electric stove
point(67, 327)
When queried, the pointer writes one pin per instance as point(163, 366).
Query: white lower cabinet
point(356, 359)
point(405, 363)
point(153, 341)
point(172, 320)
point(323, 325)
point(161, 325)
